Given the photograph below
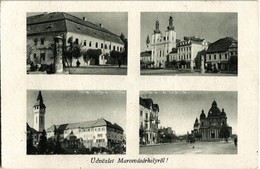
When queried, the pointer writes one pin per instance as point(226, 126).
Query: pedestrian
point(119, 63)
point(235, 141)
point(78, 63)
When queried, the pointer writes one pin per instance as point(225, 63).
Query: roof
point(148, 103)
point(193, 38)
point(64, 22)
point(84, 124)
point(146, 53)
point(40, 101)
point(30, 129)
point(221, 45)
point(174, 50)
point(214, 110)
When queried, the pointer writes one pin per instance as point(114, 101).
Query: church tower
point(170, 35)
point(39, 113)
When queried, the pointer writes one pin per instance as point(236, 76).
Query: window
point(209, 57)
point(101, 45)
point(110, 47)
point(141, 113)
point(42, 41)
point(77, 41)
point(114, 48)
point(117, 48)
point(220, 56)
point(35, 41)
point(215, 57)
point(105, 46)
point(42, 56)
point(100, 135)
point(85, 43)
point(96, 44)
point(34, 56)
point(89, 43)
point(225, 56)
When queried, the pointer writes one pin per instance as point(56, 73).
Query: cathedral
point(209, 127)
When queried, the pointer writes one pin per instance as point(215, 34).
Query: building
point(166, 48)
point(41, 30)
point(188, 49)
point(161, 44)
point(208, 128)
point(88, 134)
point(149, 121)
point(219, 54)
point(96, 133)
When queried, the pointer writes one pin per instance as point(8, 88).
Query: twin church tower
point(161, 44)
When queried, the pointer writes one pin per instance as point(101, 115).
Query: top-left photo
point(92, 43)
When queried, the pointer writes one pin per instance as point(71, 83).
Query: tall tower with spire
point(39, 113)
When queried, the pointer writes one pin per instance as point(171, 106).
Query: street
point(98, 70)
point(187, 148)
point(170, 72)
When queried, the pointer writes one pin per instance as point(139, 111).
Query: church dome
point(202, 115)
point(214, 110)
point(223, 114)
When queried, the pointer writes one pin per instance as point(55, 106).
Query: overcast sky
point(77, 106)
point(116, 22)
point(180, 109)
point(210, 26)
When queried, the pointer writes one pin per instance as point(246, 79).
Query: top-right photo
point(189, 44)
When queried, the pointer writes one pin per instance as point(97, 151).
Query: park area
point(190, 148)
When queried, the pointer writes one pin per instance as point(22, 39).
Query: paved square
point(191, 148)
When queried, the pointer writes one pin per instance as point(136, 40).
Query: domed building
point(208, 127)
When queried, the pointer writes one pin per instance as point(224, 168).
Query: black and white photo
point(188, 122)
point(189, 43)
point(77, 43)
point(76, 122)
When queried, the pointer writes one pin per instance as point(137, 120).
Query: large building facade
point(41, 30)
point(149, 121)
point(97, 133)
point(209, 127)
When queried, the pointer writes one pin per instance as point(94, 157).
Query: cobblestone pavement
point(191, 148)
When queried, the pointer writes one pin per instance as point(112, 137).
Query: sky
point(207, 25)
point(179, 109)
point(77, 106)
point(116, 22)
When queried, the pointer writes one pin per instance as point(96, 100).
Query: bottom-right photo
point(188, 122)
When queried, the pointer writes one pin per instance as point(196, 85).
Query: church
point(209, 127)
point(165, 48)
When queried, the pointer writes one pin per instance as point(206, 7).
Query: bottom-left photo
point(76, 122)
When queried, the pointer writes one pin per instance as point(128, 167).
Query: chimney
point(84, 19)
point(101, 25)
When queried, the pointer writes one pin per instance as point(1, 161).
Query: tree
point(30, 148)
point(92, 54)
point(224, 132)
point(124, 53)
point(233, 62)
point(115, 56)
point(57, 148)
point(42, 146)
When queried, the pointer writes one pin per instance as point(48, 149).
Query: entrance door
point(212, 135)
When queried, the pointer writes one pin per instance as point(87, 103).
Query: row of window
point(102, 45)
point(215, 56)
point(188, 48)
point(100, 140)
point(36, 41)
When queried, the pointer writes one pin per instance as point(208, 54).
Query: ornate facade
point(209, 127)
point(149, 121)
